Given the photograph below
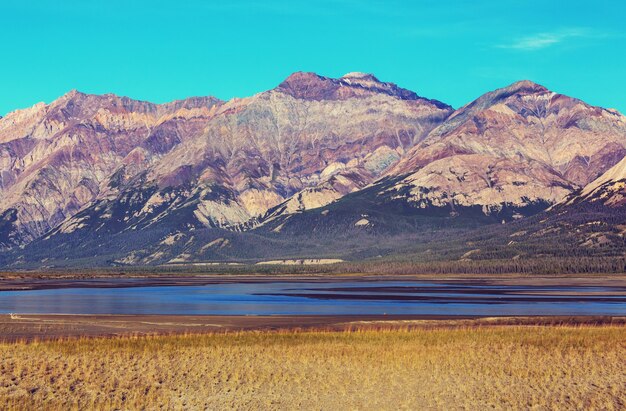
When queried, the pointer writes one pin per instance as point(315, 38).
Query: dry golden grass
point(462, 368)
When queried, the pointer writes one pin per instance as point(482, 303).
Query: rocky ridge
point(57, 158)
point(223, 164)
point(347, 165)
point(515, 146)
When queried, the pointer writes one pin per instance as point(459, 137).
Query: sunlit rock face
point(513, 146)
point(305, 143)
point(106, 164)
point(609, 189)
point(57, 158)
point(199, 178)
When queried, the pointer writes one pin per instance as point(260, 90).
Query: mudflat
point(55, 361)
point(52, 326)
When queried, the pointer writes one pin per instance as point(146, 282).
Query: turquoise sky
point(453, 51)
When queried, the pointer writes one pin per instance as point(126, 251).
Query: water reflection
point(302, 298)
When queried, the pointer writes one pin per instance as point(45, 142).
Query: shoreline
point(19, 281)
point(29, 327)
point(34, 327)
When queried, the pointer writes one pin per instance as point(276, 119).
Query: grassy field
point(459, 368)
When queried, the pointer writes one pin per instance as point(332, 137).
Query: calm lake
point(321, 298)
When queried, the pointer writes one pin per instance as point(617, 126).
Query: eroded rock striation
point(515, 146)
point(201, 179)
point(307, 142)
point(57, 158)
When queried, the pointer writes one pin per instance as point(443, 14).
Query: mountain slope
point(57, 158)
point(609, 189)
point(309, 130)
point(589, 223)
point(515, 146)
point(256, 152)
point(511, 153)
point(346, 168)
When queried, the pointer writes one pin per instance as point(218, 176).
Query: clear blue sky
point(453, 51)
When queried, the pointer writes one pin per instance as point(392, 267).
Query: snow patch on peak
point(360, 76)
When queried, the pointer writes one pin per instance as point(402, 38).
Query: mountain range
point(349, 168)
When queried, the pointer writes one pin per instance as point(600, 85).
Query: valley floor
point(451, 366)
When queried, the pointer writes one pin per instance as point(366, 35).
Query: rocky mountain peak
point(311, 86)
point(522, 144)
point(90, 161)
point(302, 77)
point(371, 83)
point(525, 86)
point(72, 94)
point(502, 95)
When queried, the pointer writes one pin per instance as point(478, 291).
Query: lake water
point(318, 298)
